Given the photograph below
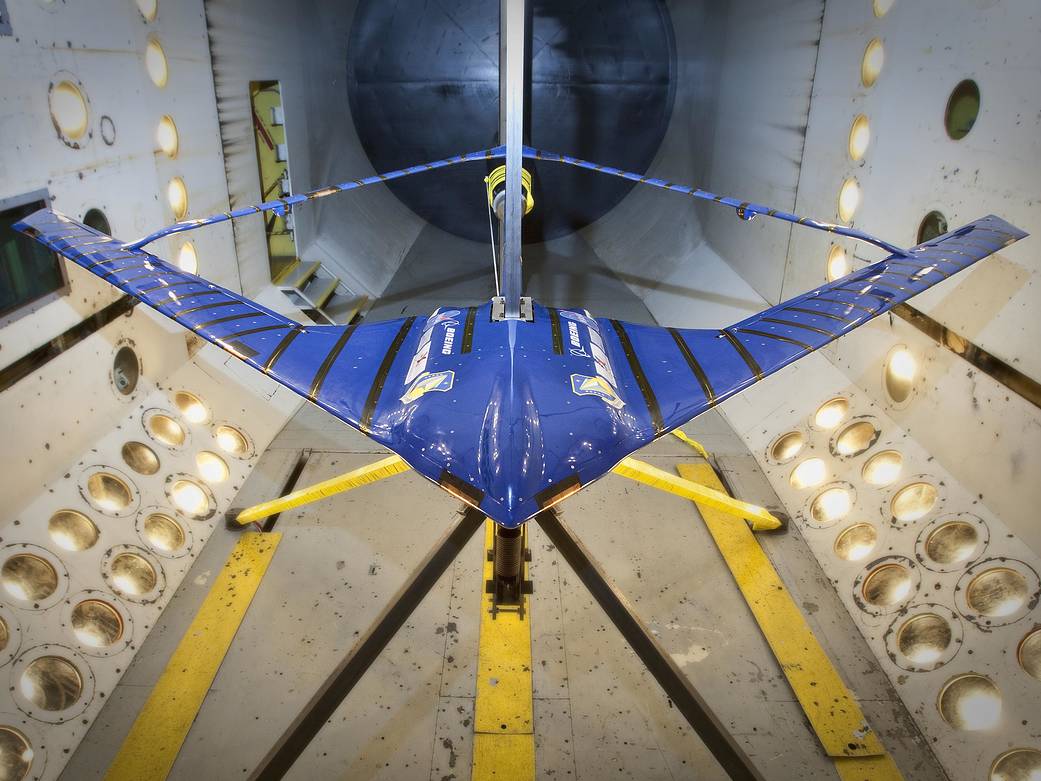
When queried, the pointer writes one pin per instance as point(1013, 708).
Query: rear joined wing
point(298, 356)
point(675, 374)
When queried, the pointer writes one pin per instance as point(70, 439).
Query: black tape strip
point(468, 330)
point(282, 346)
point(558, 336)
point(330, 359)
point(381, 375)
point(204, 307)
point(743, 352)
point(641, 379)
point(227, 319)
point(692, 362)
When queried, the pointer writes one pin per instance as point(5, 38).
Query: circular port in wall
point(32, 577)
point(108, 490)
point(97, 623)
point(140, 457)
point(133, 573)
point(163, 534)
point(72, 530)
point(951, 542)
point(997, 592)
point(856, 542)
point(883, 468)
point(52, 683)
point(786, 447)
point(932, 225)
point(126, 370)
point(886, 584)
point(191, 406)
point(190, 497)
point(1019, 764)
point(963, 108)
point(855, 438)
point(164, 429)
point(16, 754)
point(233, 441)
point(970, 702)
point(924, 638)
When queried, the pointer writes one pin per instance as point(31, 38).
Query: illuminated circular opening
point(887, 585)
point(849, 199)
point(952, 542)
point(69, 109)
point(809, 474)
point(72, 531)
point(187, 259)
point(883, 468)
point(832, 505)
point(970, 702)
point(189, 497)
point(177, 197)
point(924, 638)
point(155, 63)
point(191, 407)
point(932, 225)
point(963, 107)
point(232, 441)
point(997, 592)
point(163, 532)
point(166, 430)
point(856, 542)
point(96, 624)
point(831, 413)
point(1029, 654)
point(16, 755)
point(881, 7)
point(856, 438)
point(166, 137)
point(211, 467)
point(787, 446)
point(148, 9)
point(96, 219)
point(901, 368)
point(913, 502)
point(109, 492)
point(133, 574)
point(5, 637)
point(28, 577)
point(126, 370)
point(51, 683)
point(859, 137)
point(871, 65)
point(140, 457)
point(1020, 764)
point(838, 263)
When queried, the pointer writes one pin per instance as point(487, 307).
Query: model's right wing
point(670, 375)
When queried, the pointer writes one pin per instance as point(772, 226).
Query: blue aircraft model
point(512, 414)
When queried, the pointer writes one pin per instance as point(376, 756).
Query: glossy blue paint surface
point(513, 416)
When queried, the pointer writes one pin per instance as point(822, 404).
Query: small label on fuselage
point(585, 341)
point(422, 355)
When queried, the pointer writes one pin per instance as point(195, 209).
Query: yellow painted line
point(370, 473)
point(828, 704)
point(715, 498)
point(153, 742)
point(504, 736)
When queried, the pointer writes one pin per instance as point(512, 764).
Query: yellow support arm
point(760, 519)
point(371, 473)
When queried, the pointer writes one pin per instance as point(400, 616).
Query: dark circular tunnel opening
point(423, 84)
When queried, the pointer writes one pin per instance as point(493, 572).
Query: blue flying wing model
point(512, 414)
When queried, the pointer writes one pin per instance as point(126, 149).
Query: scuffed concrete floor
point(598, 713)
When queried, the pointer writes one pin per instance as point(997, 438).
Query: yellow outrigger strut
point(761, 519)
point(370, 473)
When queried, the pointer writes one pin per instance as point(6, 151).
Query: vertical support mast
point(512, 38)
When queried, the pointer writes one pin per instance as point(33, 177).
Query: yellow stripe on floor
point(504, 737)
point(828, 704)
point(152, 745)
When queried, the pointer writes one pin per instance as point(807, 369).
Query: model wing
point(298, 356)
point(670, 375)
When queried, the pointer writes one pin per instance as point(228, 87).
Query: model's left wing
point(301, 357)
point(667, 376)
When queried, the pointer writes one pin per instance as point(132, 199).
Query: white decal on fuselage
point(446, 346)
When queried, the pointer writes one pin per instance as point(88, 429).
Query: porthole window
point(809, 474)
point(856, 438)
point(177, 197)
point(831, 413)
point(871, 65)
point(155, 62)
point(997, 593)
point(883, 468)
point(191, 407)
point(108, 492)
point(970, 702)
point(132, 574)
point(166, 137)
point(96, 623)
point(212, 468)
point(1029, 654)
point(165, 430)
point(16, 754)
point(881, 7)
point(849, 199)
point(933, 224)
point(859, 138)
point(913, 502)
point(69, 111)
point(232, 441)
point(51, 683)
point(831, 505)
point(856, 542)
point(96, 219)
point(952, 542)
point(838, 263)
point(72, 531)
point(126, 370)
point(963, 107)
point(888, 585)
point(28, 578)
point(1020, 764)
point(163, 533)
point(140, 457)
point(787, 446)
point(187, 259)
point(924, 639)
point(899, 374)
